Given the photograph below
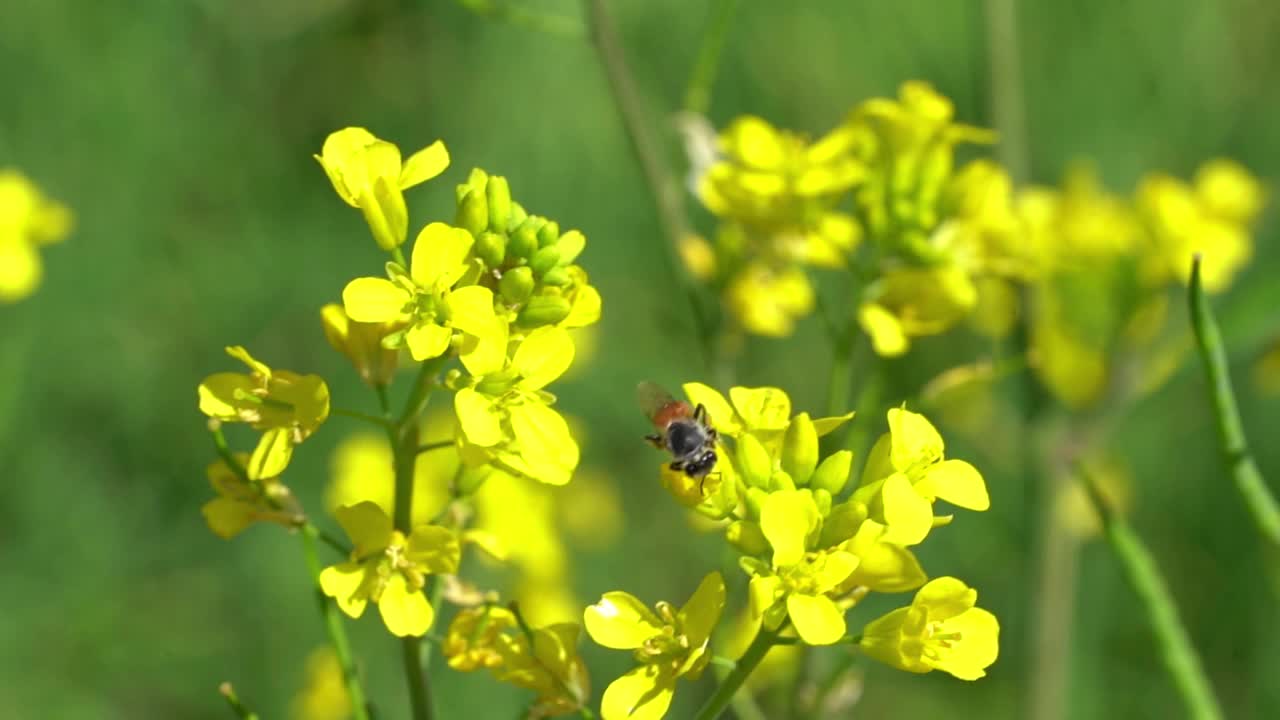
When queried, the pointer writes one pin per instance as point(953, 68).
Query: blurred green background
point(181, 134)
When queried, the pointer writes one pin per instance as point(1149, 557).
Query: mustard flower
point(669, 644)
point(762, 411)
point(768, 301)
point(941, 630)
point(909, 302)
point(905, 473)
point(324, 695)
point(362, 343)
point(28, 220)
point(286, 406)
point(505, 418)
point(1211, 218)
point(799, 584)
point(546, 661)
point(361, 469)
point(240, 502)
point(388, 569)
point(425, 299)
point(368, 174)
point(472, 641)
point(883, 566)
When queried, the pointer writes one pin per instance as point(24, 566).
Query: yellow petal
point(434, 548)
point(957, 482)
point(787, 519)
point(405, 612)
point(620, 621)
point(642, 694)
point(700, 615)
point(545, 443)
point(343, 583)
point(945, 597)
point(367, 526)
point(817, 619)
point(723, 418)
point(438, 256)
point(385, 212)
point(218, 394)
point(227, 517)
point(374, 300)
point(908, 515)
point(20, 270)
point(826, 425)
point(271, 456)
point(477, 417)
point(762, 594)
point(427, 340)
point(585, 309)
point(471, 309)
point(423, 165)
point(977, 647)
point(885, 330)
point(543, 356)
point(914, 439)
point(763, 408)
point(754, 142)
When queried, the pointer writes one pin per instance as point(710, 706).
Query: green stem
point(333, 625)
point(697, 96)
point(421, 392)
point(724, 694)
point(1007, 105)
point(373, 419)
point(664, 189)
point(1235, 448)
point(398, 256)
point(419, 689)
point(428, 447)
point(865, 419)
point(1176, 652)
point(233, 700)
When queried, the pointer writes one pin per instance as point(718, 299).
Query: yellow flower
point(912, 302)
point(1211, 219)
point(546, 661)
point(361, 469)
point(800, 583)
point(368, 174)
point(668, 644)
point(324, 696)
point(472, 641)
point(240, 503)
point(28, 220)
point(941, 630)
point(905, 473)
point(362, 344)
point(505, 418)
point(763, 411)
point(768, 301)
point(287, 406)
point(389, 569)
point(883, 566)
point(426, 300)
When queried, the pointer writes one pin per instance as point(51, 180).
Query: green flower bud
point(822, 499)
point(544, 259)
point(755, 500)
point(841, 523)
point(800, 449)
point(473, 212)
point(516, 285)
point(571, 245)
point(781, 480)
point(477, 179)
point(544, 310)
point(557, 277)
point(518, 216)
point(754, 462)
point(498, 193)
point(833, 473)
point(747, 537)
point(491, 248)
point(524, 241)
point(549, 234)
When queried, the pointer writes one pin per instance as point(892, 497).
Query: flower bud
point(524, 240)
point(833, 473)
point(516, 285)
point(747, 537)
point(498, 194)
point(755, 500)
point(544, 310)
point(548, 234)
point(754, 462)
point(571, 245)
point(822, 499)
point(473, 212)
point(491, 248)
point(518, 215)
point(841, 522)
point(557, 277)
point(477, 179)
point(800, 449)
point(544, 259)
point(781, 480)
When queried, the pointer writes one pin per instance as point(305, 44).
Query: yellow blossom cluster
point(28, 220)
point(812, 546)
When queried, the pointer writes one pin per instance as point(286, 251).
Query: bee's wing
point(652, 397)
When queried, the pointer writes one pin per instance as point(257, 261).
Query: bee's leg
point(657, 441)
point(700, 413)
point(703, 482)
point(678, 466)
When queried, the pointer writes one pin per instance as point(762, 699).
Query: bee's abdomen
point(684, 438)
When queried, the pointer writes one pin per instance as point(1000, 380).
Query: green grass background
point(181, 132)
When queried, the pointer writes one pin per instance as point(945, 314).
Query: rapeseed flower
point(28, 220)
point(941, 630)
point(668, 643)
point(368, 174)
point(242, 502)
point(389, 569)
point(362, 343)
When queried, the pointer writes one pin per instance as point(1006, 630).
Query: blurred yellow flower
point(389, 569)
point(910, 302)
point(240, 502)
point(368, 174)
point(287, 406)
point(362, 343)
point(769, 301)
point(361, 470)
point(668, 643)
point(941, 630)
point(324, 693)
point(28, 220)
point(472, 641)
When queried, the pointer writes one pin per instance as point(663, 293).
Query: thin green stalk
point(858, 437)
point(1176, 652)
point(1235, 448)
point(229, 694)
point(333, 625)
point(372, 419)
point(697, 96)
point(664, 189)
point(724, 694)
point(1007, 103)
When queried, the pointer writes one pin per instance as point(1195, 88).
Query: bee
point(683, 431)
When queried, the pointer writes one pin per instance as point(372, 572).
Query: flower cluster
point(813, 547)
point(28, 220)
